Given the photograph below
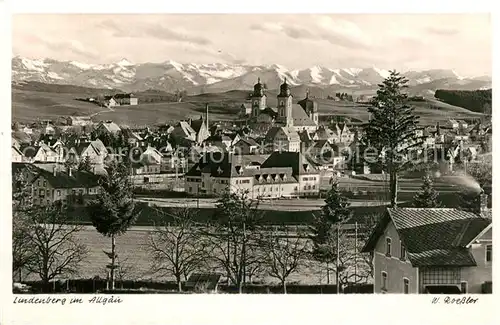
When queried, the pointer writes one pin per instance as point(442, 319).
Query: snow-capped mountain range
point(216, 77)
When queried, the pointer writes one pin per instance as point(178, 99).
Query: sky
point(462, 42)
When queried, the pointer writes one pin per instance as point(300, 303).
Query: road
point(282, 205)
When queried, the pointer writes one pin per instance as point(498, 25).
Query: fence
point(139, 287)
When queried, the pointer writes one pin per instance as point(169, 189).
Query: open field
point(132, 252)
point(27, 105)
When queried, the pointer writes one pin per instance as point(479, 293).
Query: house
point(146, 154)
point(246, 146)
point(201, 128)
point(341, 134)
point(16, 155)
point(441, 250)
point(183, 133)
point(81, 150)
point(126, 99)
point(109, 101)
point(280, 174)
point(452, 124)
point(79, 121)
point(108, 127)
point(39, 153)
point(71, 187)
point(280, 138)
point(324, 133)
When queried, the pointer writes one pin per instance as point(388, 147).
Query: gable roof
point(432, 237)
point(111, 127)
point(300, 117)
point(62, 179)
point(296, 160)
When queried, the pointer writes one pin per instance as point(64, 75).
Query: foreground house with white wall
point(440, 251)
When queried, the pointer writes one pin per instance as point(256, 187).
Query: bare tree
point(124, 269)
point(232, 237)
point(52, 238)
point(21, 201)
point(175, 248)
point(283, 253)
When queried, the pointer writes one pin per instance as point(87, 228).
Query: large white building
point(280, 174)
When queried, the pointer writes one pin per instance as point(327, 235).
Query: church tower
point(311, 108)
point(285, 105)
point(258, 99)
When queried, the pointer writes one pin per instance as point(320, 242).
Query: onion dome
point(285, 90)
point(258, 89)
point(308, 104)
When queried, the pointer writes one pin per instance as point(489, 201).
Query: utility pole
point(355, 252)
point(338, 259)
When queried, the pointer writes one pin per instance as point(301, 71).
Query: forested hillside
point(474, 100)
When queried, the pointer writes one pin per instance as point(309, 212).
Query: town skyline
point(294, 41)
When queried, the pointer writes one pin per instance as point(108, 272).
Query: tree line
point(474, 100)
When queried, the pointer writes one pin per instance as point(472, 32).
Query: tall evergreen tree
point(391, 129)
point(427, 197)
point(325, 228)
point(85, 164)
point(113, 212)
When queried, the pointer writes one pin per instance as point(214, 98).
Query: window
point(384, 280)
point(41, 192)
point(282, 103)
point(305, 187)
point(313, 187)
point(463, 287)
point(403, 252)
point(44, 183)
point(406, 286)
point(190, 189)
point(489, 253)
point(388, 247)
point(38, 183)
point(58, 192)
point(48, 201)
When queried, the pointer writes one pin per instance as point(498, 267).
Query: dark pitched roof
point(197, 124)
point(62, 179)
point(296, 160)
point(433, 237)
point(248, 140)
point(223, 164)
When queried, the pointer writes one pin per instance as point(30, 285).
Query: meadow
point(28, 105)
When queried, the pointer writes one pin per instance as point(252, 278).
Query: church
point(299, 117)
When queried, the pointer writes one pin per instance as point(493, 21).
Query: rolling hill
point(28, 105)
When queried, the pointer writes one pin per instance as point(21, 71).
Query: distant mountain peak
point(170, 76)
point(124, 62)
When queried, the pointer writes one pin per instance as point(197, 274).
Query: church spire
point(258, 80)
